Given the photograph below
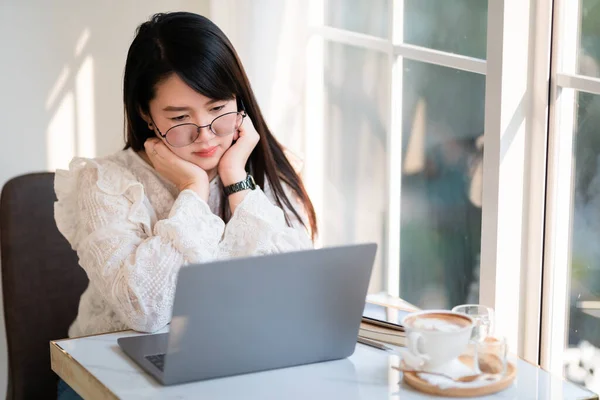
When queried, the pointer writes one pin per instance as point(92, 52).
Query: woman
point(201, 178)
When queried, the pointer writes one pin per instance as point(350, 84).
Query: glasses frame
point(242, 112)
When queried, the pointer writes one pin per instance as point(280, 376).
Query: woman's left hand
point(232, 166)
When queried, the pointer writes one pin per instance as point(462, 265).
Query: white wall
point(61, 69)
point(270, 39)
point(55, 97)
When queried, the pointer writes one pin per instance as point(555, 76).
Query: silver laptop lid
point(253, 314)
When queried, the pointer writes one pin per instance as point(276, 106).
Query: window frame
point(503, 213)
point(566, 83)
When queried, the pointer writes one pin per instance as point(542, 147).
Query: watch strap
point(247, 183)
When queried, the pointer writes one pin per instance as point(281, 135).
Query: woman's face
point(176, 103)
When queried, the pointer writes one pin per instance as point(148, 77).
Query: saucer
point(441, 386)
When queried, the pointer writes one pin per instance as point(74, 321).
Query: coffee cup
point(436, 337)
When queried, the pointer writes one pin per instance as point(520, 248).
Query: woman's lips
point(206, 152)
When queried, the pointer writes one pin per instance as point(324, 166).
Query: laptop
point(254, 314)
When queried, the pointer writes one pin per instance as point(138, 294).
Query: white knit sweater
point(133, 230)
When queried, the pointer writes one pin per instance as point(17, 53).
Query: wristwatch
point(247, 183)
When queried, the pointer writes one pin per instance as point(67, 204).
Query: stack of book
point(382, 319)
point(380, 334)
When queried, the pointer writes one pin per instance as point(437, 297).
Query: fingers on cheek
point(161, 148)
point(151, 146)
point(155, 153)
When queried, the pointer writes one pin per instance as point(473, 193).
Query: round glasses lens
point(182, 135)
point(226, 124)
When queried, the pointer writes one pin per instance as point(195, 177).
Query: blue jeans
point(65, 392)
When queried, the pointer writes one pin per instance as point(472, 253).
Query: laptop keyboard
point(158, 360)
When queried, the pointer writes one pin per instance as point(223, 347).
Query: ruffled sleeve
point(131, 258)
point(258, 227)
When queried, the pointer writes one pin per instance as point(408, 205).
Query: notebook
point(382, 334)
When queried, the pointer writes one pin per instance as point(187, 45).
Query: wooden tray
point(413, 380)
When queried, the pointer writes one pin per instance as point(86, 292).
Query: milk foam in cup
point(437, 337)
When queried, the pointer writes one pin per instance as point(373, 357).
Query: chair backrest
point(41, 283)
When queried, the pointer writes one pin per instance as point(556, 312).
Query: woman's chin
point(207, 165)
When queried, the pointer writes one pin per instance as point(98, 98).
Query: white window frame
point(538, 117)
point(514, 166)
point(566, 82)
point(507, 215)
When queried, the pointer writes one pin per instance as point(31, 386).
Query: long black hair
point(195, 49)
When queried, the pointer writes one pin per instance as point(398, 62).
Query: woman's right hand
point(180, 172)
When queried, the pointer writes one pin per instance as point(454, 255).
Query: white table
point(97, 368)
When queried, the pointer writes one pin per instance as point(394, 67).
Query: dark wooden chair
point(41, 283)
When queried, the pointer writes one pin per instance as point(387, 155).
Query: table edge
point(91, 335)
point(68, 369)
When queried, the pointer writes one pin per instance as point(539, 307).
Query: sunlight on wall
point(84, 89)
point(288, 81)
point(72, 128)
point(314, 116)
point(61, 134)
point(82, 41)
point(57, 87)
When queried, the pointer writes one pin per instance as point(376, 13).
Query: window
point(401, 140)
point(402, 97)
point(572, 264)
point(460, 136)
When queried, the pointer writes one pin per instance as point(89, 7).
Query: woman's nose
point(204, 134)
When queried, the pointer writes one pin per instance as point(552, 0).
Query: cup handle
point(414, 339)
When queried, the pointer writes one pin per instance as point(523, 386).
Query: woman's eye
point(180, 118)
point(219, 108)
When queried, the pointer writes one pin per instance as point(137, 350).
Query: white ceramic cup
point(436, 337)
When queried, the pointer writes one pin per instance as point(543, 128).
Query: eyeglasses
point(185, 134)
